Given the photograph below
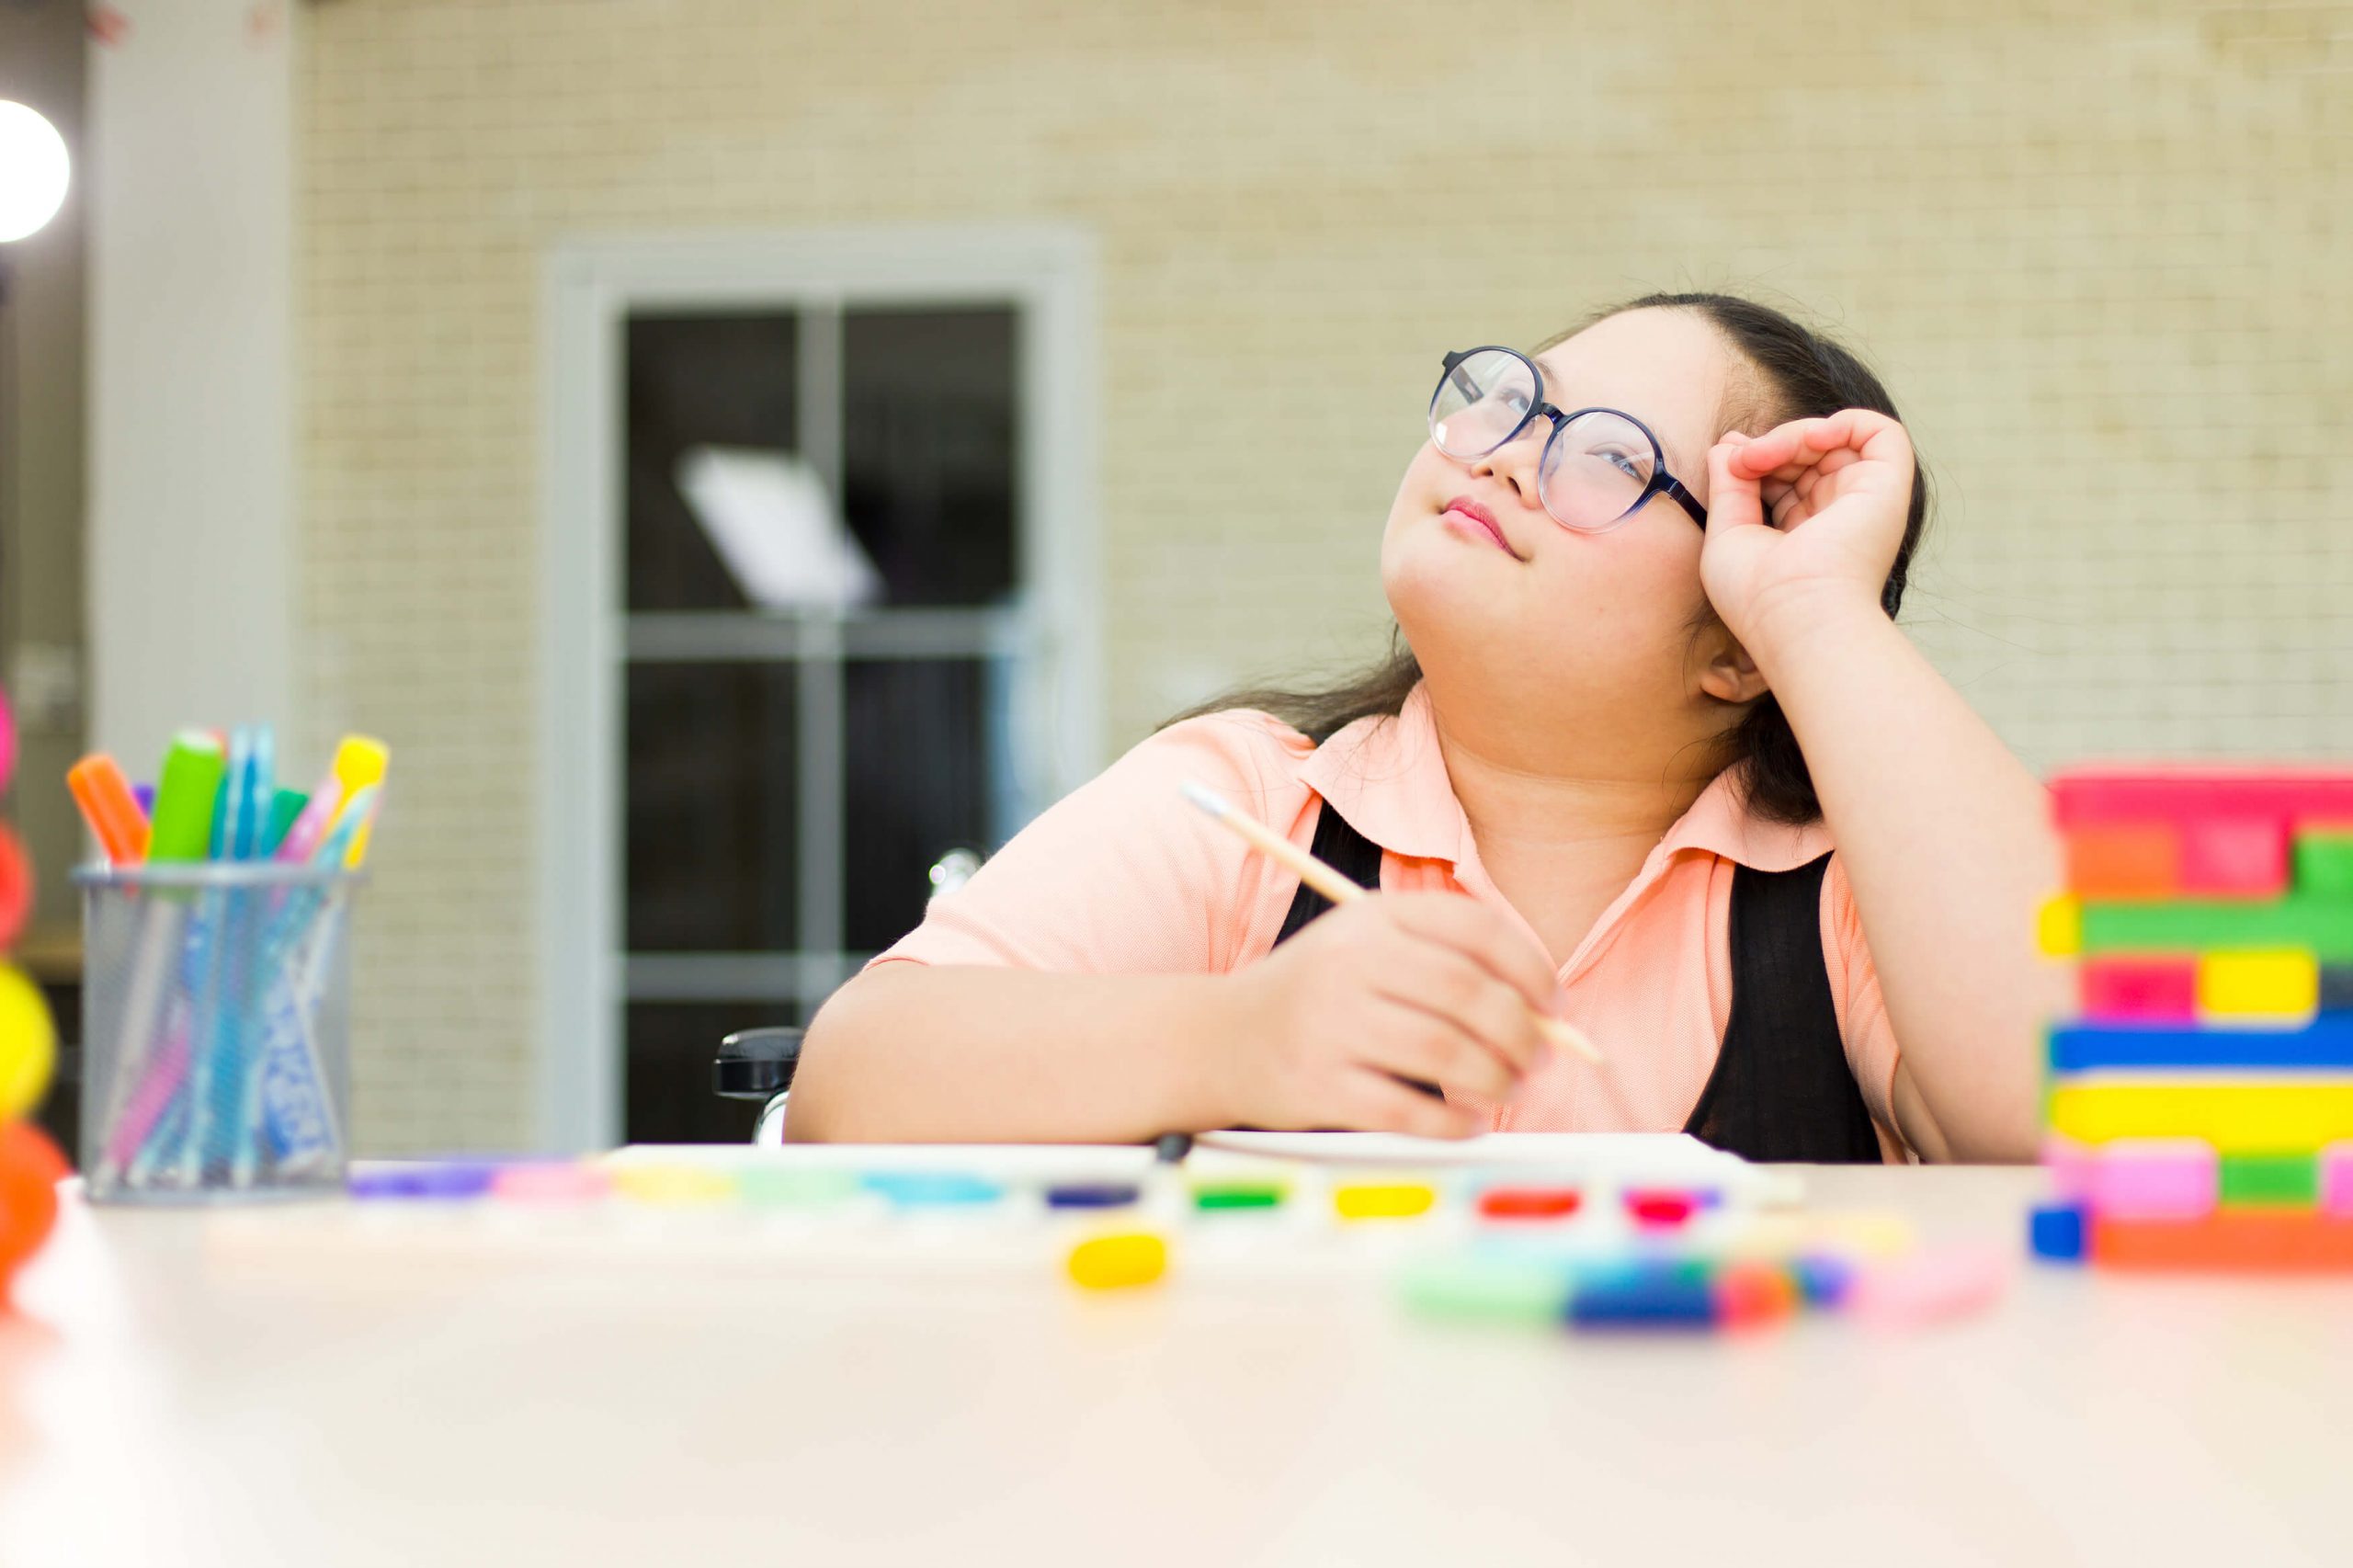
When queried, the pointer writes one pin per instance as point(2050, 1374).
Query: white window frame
point(589, 289)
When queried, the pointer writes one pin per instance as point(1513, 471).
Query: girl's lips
point(1464, 506)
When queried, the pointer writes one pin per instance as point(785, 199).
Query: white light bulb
point(33, 171)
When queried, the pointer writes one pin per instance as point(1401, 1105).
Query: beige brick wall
point(2099, 252)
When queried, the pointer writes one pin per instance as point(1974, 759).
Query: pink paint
point(2235, 857)
point(556, 1182)
point(2155, 1178)
point(2114, 990)
point(2336, 1181)
point(1931, 1286)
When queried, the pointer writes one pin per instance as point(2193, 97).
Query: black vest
point(1781, 1089)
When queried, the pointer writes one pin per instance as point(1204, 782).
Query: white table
point(155, 1410)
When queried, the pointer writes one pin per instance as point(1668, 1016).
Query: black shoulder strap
point(1344, 849)
point(1355, 856)
point(1782, 1089)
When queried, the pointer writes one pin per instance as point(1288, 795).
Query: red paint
point(1528, 1202)
point(1659, 1206)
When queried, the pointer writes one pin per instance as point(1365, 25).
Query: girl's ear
point(1726, 672)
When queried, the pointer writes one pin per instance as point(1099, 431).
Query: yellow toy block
point(2269, 987)
point(2059, 926)
point(2268, 1115)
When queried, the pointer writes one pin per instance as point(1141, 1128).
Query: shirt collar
point(1387, 779)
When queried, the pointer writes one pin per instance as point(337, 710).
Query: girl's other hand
point(1805, 518)
point(1428, 986)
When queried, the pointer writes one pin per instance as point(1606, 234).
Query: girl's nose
point(1516, 463)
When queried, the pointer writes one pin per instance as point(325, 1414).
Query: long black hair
point(1801, 374)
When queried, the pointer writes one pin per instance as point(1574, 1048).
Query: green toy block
point(2270, 1181)
point(2321, 924)
point(2324, 863)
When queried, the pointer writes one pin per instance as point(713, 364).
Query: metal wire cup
point(216, 1011)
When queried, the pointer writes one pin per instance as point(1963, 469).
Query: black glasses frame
point(1661, 482)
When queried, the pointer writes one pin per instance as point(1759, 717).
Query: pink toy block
point(2155, 1178)
point(2336, 1180)
point(2188, 795)
point(2114, 989)
point(2070, 1164)
point(2235, 857)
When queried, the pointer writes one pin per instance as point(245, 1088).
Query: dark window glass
point(922, 780)
point(929, 451)
point(695, 382)
point(711, 808)
point(671, 1048)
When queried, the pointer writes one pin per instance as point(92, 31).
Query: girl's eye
point(1624, 460)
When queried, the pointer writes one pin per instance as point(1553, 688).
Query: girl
point(1647, 678)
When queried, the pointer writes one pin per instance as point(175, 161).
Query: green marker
point(184, 793)
point(284, 807)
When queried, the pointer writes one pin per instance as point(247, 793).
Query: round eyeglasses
point(1599, 466)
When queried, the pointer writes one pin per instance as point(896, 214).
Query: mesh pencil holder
point(216, 1009)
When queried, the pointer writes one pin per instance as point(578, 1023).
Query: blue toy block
point(2324, 1045)
point(2055, 1231)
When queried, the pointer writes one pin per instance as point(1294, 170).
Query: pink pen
point(304, 834)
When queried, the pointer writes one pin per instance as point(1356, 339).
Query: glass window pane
point(928, 451)
point(926, 774)
point(703, 381)
point(710, 808)
point(671, 1048)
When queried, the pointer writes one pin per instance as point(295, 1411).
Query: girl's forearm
point(912, 1053)
point(1947, 841)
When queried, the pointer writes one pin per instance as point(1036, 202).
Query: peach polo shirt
point(1124, 876)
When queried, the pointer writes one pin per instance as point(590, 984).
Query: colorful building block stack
point(2199, 1105)
point(30, 1165)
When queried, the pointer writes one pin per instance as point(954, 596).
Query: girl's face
point(1544, 619)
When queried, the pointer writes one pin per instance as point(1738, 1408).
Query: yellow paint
point(1384, 1200)
point(2244, 1115)
point(1118, 1261)
point(359, 762)
point(672, 1185)
point(2284, 983)
point(2059, 926)
point(28, 1043)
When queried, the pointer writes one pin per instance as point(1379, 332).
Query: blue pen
point(222, 1143)
point(297, 1107)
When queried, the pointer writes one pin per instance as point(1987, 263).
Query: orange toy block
point(2235, 1241)
point(2124, 860)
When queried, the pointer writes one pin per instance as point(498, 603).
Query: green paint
point(796, 1189)
point(1237, 1195)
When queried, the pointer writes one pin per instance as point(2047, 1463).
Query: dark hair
point(1801, 374)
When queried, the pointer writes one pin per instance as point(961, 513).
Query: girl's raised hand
point(1805, 518)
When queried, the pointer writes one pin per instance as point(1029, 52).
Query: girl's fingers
point(1734, 499)
point(1479, 934)
point(1376, 1102)
point(1431, 1045)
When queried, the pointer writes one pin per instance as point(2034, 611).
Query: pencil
point(1339, 889)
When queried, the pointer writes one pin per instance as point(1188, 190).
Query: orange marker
point(110, 809)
